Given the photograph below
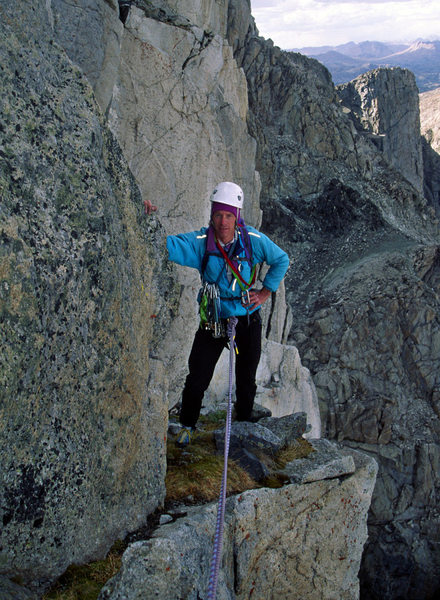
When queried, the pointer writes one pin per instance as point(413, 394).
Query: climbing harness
point(218, 537)
point(209, 294)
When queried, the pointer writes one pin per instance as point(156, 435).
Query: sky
point(301, 23)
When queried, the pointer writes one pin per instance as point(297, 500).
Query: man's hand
point(257, 298)
point(148, 207)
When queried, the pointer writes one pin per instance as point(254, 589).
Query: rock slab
point(300, 541)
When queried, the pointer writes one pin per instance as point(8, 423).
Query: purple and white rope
point(218, 536)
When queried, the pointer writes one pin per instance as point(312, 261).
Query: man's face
point(224, 225)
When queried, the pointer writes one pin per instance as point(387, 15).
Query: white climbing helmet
point(229, 193)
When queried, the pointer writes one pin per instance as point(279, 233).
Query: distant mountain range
point(347, 61)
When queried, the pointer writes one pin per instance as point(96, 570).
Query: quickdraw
point(209, 309)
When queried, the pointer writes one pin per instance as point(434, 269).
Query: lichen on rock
point(80, 270)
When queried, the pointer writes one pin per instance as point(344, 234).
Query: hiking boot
point(185, 436)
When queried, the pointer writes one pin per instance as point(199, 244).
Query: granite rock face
point(430, 127)
point(178, 108)
point(385, 104)
point(85, 291)
point(300, 541)
point(179, 153)
point(91, 34)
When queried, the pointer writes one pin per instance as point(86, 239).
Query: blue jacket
point(188, 249)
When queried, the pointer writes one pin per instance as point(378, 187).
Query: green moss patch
point(84, 582)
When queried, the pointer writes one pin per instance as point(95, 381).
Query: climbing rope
point(218, 537)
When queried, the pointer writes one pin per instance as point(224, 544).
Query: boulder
point(289, 427)
point(247, 439)
point(250, 442)
point(325, 462)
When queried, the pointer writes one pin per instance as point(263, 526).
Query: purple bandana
point(216, 206)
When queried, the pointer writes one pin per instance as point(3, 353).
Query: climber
point(226, 254)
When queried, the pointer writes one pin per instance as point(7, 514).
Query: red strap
point(234, 270)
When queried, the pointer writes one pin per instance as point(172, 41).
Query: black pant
point(204, 355)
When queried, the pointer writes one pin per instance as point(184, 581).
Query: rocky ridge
point(364, 245)
point(184, 114)
point(347, 61)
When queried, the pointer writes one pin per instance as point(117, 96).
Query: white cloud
point(322, 22)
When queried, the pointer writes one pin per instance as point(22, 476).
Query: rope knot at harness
point(218, 536)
